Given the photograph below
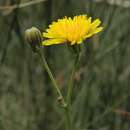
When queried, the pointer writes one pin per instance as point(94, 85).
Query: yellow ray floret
point(72, 30)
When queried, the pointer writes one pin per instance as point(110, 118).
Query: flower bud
point(34, 37)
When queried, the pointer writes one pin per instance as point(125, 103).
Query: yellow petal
point(80, 41)
point(96, 23)
point(98, 30)
point(53, 41)
point(88, 35)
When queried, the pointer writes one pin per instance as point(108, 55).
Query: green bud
point(34, 37)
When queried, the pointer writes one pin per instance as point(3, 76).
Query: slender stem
point(68, 119)
point(39, 51)
point(21, 5)
point(69, 94)
point(70, 83)
point(66, 106)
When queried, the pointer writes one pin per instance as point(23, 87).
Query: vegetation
point(101, 84)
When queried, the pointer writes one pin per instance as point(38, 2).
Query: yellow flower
point(72, 30)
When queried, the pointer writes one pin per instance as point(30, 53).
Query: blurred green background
point(101, 95)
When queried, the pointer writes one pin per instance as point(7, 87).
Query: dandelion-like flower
point(72, 30)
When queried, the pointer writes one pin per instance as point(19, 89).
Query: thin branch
point(122, 3)
point(22, 5)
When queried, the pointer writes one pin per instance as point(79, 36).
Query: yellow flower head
point(72, 30)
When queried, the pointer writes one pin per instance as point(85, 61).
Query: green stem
point(69, 94)
point(70, 83)
point(68, 119)
point(39, 51)
point(65, 105)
